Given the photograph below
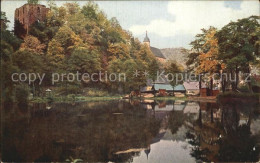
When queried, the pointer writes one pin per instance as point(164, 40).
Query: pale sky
point(169, 23)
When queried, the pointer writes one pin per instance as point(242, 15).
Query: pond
point(131, 131)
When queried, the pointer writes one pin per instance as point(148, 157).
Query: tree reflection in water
point(228, 138)
point(120, 131)
point(90, 131)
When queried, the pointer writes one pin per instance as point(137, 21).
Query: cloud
point(191, 16)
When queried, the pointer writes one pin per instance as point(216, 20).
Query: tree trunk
point(222, 116)
point(211, 86)
point(224, 86)
point(223, 83)
point(200, 119)
point(237, 78)
point(200, 83)
point(211, 115)
point(249, 81)
point(232, 82)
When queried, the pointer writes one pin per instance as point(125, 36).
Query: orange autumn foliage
point(208, 60)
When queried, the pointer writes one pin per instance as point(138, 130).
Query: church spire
point(147, 151)
point(146, 40)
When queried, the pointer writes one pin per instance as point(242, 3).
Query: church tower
point(146, 40)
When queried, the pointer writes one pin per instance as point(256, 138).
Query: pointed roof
point(157, 52)
point(191, 85)
point(147, 151)
point(146, 39)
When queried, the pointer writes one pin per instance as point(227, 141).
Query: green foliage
point(87, 42)
point(238, 45)
point(22, 94)
point(8, 44)
point(28, 62)
point(69, 89)
point(83, 39)
point(204, 55)
point(95, 92)
point(174, 68)
point(19, 30)
point(5, 21)
point(39, 30)
point(33, 45)
point(11, 39)
point(244, 96)
point(237, 42)
point(84, 61)
point(67, 40)
point(232, 49)
point(32, 1)
point(90, 11)
point(7, 95)
point(7, 51)
point(153, 68)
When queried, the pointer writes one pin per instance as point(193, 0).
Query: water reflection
point(131, 131)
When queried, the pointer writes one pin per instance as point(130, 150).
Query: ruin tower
point(26, 15)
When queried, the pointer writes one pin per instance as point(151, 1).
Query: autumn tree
point(32, 44)
point(203, 58)
point(208, 59)
point(62, 45)
point(74, 38)
point(118, 51)
point(129, 68)
point(32, 1)
point(239, 46)
point(90, 10)
point(172, 67)
point(84, 61)
point(196, 50)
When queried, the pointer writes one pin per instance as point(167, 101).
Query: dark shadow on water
point(121, 131)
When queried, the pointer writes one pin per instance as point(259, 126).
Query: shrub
point(242, 96)
point(71, 97)
point(22, 94)
point(70, 89)
point(8, 96)
point(95, 92)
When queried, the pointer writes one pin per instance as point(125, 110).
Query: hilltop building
point(156, 87)
point(157, 52)
point(26, 15)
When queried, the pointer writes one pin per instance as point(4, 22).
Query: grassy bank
point(168, 98)
point(70, 98)
point(239, 97)
point(224, 97)
point(73, 99)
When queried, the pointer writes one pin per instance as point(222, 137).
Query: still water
point(131, 131)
